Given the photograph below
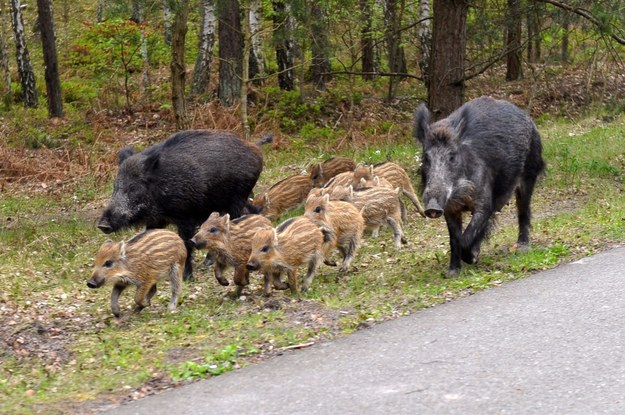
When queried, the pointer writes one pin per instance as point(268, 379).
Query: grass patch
point(64, 349)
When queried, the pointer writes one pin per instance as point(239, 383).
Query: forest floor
point(49, 325)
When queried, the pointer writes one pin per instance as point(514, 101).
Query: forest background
point(80, 80)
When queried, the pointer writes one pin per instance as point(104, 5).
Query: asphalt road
point(553, 343)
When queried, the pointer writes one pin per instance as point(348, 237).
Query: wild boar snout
point(432, 209)
point(95, 282)
point(252, 266)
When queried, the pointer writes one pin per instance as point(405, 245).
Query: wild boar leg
point(310, 273)
point(454, 226)
point(117, 290)
point(397, 232)
point(186, 232)
point(523, 199)
point(292, 275)
point(219, 269)
point(277, 282)
point(141, 296)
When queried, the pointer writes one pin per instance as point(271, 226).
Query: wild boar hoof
point(329, 262)
point(223, 282)
point(452, 272)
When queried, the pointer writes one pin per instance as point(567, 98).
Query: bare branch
point(586, 14)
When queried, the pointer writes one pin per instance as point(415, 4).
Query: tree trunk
point(24, 67)
point(206, 44)
point(366, 41)
point(257, 56)
point(178, 70)
point(284, 44)
point(245, 67)
point(393, 14)
point(424, 32)
point(5, 86)
point(533, 27)
point(513, 41)
point(446, 91)
point(565, 38)
point(50, 59)
point(320, 46)
point(167, 20)
point(138, 16)
point(230, 51)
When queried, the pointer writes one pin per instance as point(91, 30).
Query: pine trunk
point(366, 41)
point(446, 91)
point(284, 44)
point(50, 59)
point(179, 32)
point(424, 32)
point(513, 41)
point(230, 51)
point(319, 47)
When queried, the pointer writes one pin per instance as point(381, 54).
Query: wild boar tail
point(264, 140)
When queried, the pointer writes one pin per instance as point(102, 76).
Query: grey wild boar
point(321, 173)
point(229, 243)
point(475, 160)
point(181, 181)
point(379, 206)
point(296, 242)
point(395, 175)
point(142, 261)
point(287, 194)
point(345, 221)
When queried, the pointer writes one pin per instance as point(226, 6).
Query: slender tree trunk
point(366, 41)
point(513, 41)
point(178, 69)
point(320, 46)
point(24, 67)
point(535, 17)
point(257, 56)
point(5, 86)
point(168, 20)
point(530, 35)
point(245, 67)
point(446, 92)
point(566, 20)
point(206, 44)
point(424, 32)
point(50, 58)
point(230, 51)
point(284, 44)
point(393, 14)
point(99, 11)
point(138, 16)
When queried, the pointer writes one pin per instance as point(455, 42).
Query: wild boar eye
point(264, 249)
point(212, 230)
point(108, 264)
point(315, 177)
point(452, 158)
point(318, 209)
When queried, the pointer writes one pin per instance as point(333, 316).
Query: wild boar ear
point(266, 198)
point(227, 221)
point(351, 191)
point(363, 182)
point(370, 169)
point(326, 198)
point(213, 215)
point(275, 236)
point(124, 154)
point(376, 180)
point(151, 163)
point(421, 123)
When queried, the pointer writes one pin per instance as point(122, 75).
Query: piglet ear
point(227, 221)
point(275, 236)
point(326, 198)
point(421, 123)
point(213, 215)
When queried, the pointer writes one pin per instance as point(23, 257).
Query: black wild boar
point(181, 181)
point(474, 160)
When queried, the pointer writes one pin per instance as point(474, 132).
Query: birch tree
point(5, 86)
point(424, 32)
point(24, 67)
point(257, 56)
point(284, 43)
point(230, 51)
point(178, 69)
point(206, 43)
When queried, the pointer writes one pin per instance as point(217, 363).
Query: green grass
point(65, 348)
